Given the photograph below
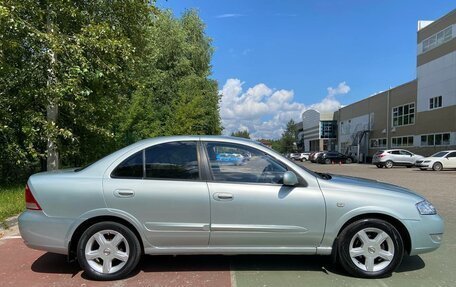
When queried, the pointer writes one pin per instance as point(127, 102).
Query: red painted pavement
point(22, 266)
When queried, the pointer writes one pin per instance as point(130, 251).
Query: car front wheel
point(370, 248)
point(437, 166)
point(108, 251)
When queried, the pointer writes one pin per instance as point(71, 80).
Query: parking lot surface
point(21, 266)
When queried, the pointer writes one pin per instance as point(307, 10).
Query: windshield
point(439, 154)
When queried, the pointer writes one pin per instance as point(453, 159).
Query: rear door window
point(173, 160)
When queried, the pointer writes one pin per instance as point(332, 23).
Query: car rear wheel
point(437, 166)
point(348, 160)
point(108, 251)
point(327, 161)
point(370, 248)
point(389, 164)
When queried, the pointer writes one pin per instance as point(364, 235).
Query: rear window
point(379, 152)
point(132, 167)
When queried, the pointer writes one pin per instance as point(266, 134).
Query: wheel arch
point(401, 228)
point(72, 245)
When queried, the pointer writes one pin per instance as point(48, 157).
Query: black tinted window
point(132, 167)
point(174, 160)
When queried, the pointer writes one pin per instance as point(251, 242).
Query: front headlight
point(426, 208)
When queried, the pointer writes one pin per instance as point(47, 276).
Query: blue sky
point(301, 48)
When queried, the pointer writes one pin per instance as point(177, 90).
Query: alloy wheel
point(371, 249)
point(107, 251)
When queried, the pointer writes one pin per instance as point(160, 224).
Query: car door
point(407, 157)
point(396, 157)
point(162, 188)
point(251, 208)
point(450, 161)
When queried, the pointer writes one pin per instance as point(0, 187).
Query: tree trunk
point(52, 110)
point(52, 161)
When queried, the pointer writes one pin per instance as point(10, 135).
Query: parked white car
point(395, 157)
point(304, 156)
point(438, 161)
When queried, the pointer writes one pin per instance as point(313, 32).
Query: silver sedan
point(174, 195)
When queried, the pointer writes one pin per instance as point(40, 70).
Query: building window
point(378, 143)
point(404, 115)
point(435, 139)
point(328, 129)
point(402, 141)
point(437, 39)
point(435, 102)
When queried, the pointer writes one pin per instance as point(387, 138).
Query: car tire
point(348, 160)
point(117, 259)
point(389, 164)
point(437, 166)
point(370, 248)
point(327, 161)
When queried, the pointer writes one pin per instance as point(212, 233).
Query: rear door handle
point(223, 196)
point(124, 193)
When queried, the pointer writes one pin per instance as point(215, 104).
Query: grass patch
point(12, 201)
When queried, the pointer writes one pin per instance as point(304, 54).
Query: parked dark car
point(333, 157)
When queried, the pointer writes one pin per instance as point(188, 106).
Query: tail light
point(30, 201)
point(381, 155)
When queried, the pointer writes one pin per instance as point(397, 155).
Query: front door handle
point(124, 193)
point(223, 196)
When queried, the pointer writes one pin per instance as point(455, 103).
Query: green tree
point(289, 137)
point(175, 95)
point(65, 70)
point(241, 134)
point(81, 78)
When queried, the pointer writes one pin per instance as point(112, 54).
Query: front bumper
point(425, 234)
point(42, 232)
point(423, 164)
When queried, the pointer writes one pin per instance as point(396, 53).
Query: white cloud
point(263, 111)
point(229, 15)
point(247, 51)
point(342, 88)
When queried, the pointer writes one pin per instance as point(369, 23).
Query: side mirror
point(290, 178)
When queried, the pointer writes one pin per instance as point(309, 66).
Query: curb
point(8, 223)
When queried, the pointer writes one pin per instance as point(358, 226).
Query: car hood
point(368, 186)
point(431, 158)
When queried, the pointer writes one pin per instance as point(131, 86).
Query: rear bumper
point(42, 232)
point(426, 234)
